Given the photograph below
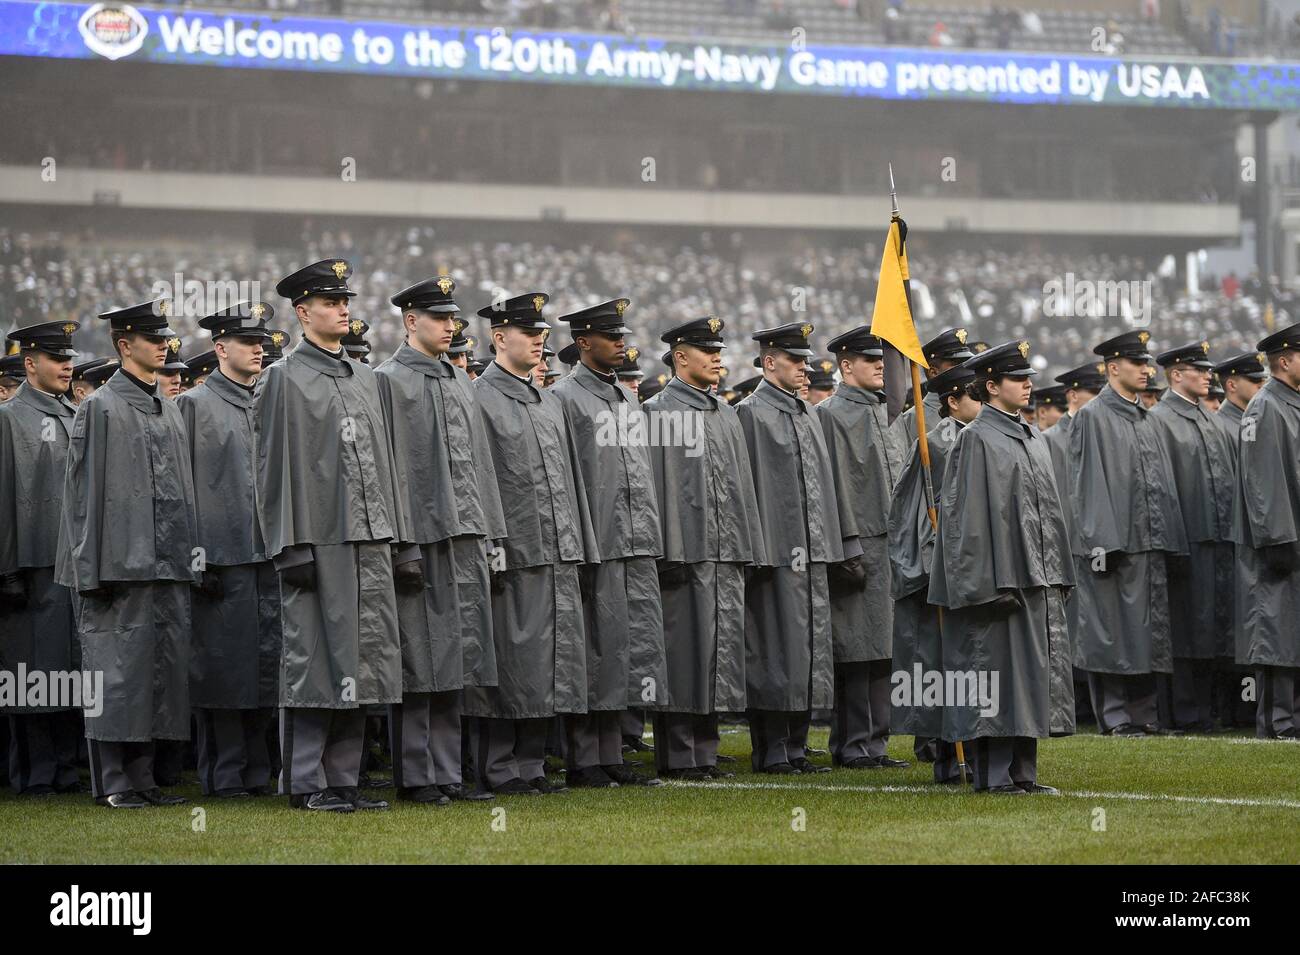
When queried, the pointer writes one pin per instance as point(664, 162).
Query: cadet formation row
point(490, 555)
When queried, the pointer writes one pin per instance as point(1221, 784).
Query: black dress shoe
point(813, 751)
point(1128, 730)
point(548, 788)
point(324, 801)
point(126, 800)
point(515, 787)
point(364, 802)
point(367, 781)
point(712, 772)
point(1039, 789)
point(259, 790)
point(426, 795)
point(860, 762)
point(808, 767)
point(627, 776)
point(461, 792)
point(232, 793)
point(780, 769)
point(591, 777)
point(888, 762)
point(159, 798)
point(1011, 790)
point(724, 758)
point(1151, 729)
point(688, 774)
point(635, 744)
point(39, 790)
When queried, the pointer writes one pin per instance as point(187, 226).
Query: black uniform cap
point(1091, 377)
point(1127, 345)
point(703, 332)
point(858, 341)
point(605, 318)
point(949, 344)
point(53, 338)
point(950, 382)
point(1008, 360)
point(327, 277)
point(245, 320)
point(1288, 339)
point(791, 338)
point(147, 318)
point(522, 311)
point(174, 365)
point(1196, 354)
point(1249, 365)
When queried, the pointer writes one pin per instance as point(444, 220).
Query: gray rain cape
point(789, 648)
point(623, 612)
point(537, 613)
point(327, 495)
point(235, 656)
point(1126, 520)
point(708, 515)
point(448, 487)
point(1267, 514)
point(128, 525)
point(34, 437)
point(1200, 585)
point(867, 460)
point(911, 553)
point(1001, 530)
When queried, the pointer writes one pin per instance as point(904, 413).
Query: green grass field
point(1218, 799)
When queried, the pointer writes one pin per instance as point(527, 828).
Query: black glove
point(848, 574)
point(671, 574)
point(1003, 605)
point(302, 576)
point(209, 585)
point(1280, 558)
point(13, 591)
point(409, 576)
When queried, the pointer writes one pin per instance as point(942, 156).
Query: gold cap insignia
point(1023, 348)
point(1144, 337)
point(446, 284)
point(164, 307)
point(470, 342)
point(805, 330)
point(1205, 347)
point(174, 344)
point(69, 328)
point(632, 354)
point(1101, 368)
point(355, 326)
point(460, 326)
point(277, 338)
point(960, 335)
point(714, 325)
point(258, 310)
point(663, 379)
point(340, 268)
point(827, 366)
point(546, 333)
point(1262, 357)
point(538, 302)
point(620, 305)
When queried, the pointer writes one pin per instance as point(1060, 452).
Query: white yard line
point(955, 791)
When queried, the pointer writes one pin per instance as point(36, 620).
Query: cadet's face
point(539, 374)
point(1193, 381)
point(1128, 373)
point(325, 315)
point(1011, 394)
point(785, 371)
point(431, 332)
point(460, 360)
point(169, 384)
point(863, 372)
point(1212, 404)
point(518, 349)
point(147, 351)
point(53, 375)
point(7, 388)
point(631, 384)
point(966, 408)
point(243, 356)
point(701, 367)
point(1048, 415)
point(1076, 398)
point(604, 351)
point(1246, 389)
point(817, 395)
point(1288, 369)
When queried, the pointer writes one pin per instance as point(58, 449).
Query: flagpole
point(923, 444)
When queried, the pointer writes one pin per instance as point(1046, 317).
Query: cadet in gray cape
point(336, 530)
point(867, 461)
point(1200, 585)
point(789, 648)
point(1266, 530)
point(622, 610)
point(1242, 376)
point(1127, 520)
point(708, 514)
point(236, 643)
point(449, 488)
point(536, 588)
point(129, 555)
point(37, 631)
point(11, 375)
point(918, 647)
point(946, 350)
point(1001, 564)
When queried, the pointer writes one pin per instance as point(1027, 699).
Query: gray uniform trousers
point(861, 723)
point(43, 750)
point(632, 724)
point(320, 749)
point(120, 767)
point(686, 740)
point(593, 739)
point(1005, 760)
point(424, 734)
point(231, 748)
point(1185, 697)
point(1277, 690)
point(777, 736)
point(946, 768)
point(1119, 699)
point(510, 749)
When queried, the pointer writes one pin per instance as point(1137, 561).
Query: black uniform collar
point(511, 385)
point(1011, 424)
point(129, 389)
point(1117, 402)
point(1180, 405)
point(600, 385)
point(232, 391)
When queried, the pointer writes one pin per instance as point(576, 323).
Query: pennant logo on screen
point(113, 30)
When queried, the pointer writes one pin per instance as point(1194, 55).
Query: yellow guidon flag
point(891, 318)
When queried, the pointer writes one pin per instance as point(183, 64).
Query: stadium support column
point(1263, 197)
